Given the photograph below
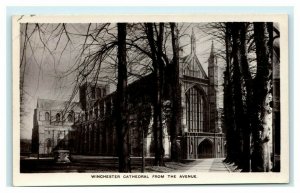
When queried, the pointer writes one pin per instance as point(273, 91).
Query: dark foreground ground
point(100, 164)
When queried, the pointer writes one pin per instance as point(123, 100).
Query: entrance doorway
point(205, 149)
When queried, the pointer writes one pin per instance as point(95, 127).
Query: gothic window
point(98, 92)
point(48, 142)
point(91, 114)
point(101, 109)
point(57, 117)
point(47, 116)
point(195, 110)
point(93, 92)
point(86, 116)
point(70, 117)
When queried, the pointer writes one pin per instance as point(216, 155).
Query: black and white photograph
point(150, 100)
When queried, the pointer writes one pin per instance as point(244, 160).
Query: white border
point(21, 179)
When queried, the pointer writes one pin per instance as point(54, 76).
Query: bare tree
point(249, 58)
point(157, 62)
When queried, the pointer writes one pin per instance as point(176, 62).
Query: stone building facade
point(53, 125)
point(92, 130)
point(202, 135)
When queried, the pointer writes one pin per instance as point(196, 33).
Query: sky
point(50, 55)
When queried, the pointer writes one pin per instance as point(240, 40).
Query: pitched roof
point(192, 60)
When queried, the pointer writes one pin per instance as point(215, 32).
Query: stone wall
point(96, 130)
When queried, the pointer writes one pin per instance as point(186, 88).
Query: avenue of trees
point(133, 50)
point(251, 51)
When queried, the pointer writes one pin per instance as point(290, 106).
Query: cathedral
point(88, 127)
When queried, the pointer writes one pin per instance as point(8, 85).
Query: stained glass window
point(195, 111)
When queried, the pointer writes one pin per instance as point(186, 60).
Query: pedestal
point(62, 156)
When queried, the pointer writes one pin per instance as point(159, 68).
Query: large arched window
point(196, 115)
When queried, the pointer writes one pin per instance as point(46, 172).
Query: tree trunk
point(237, 97)
point(159, 84)
point(157, 104)
point(249, 104)
point(122, 103)
point(175, 125)
point(262, 83)
point(228, 105)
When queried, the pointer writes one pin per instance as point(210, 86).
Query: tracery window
point(196, 114)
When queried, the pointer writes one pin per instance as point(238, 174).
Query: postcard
point(150, 99)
